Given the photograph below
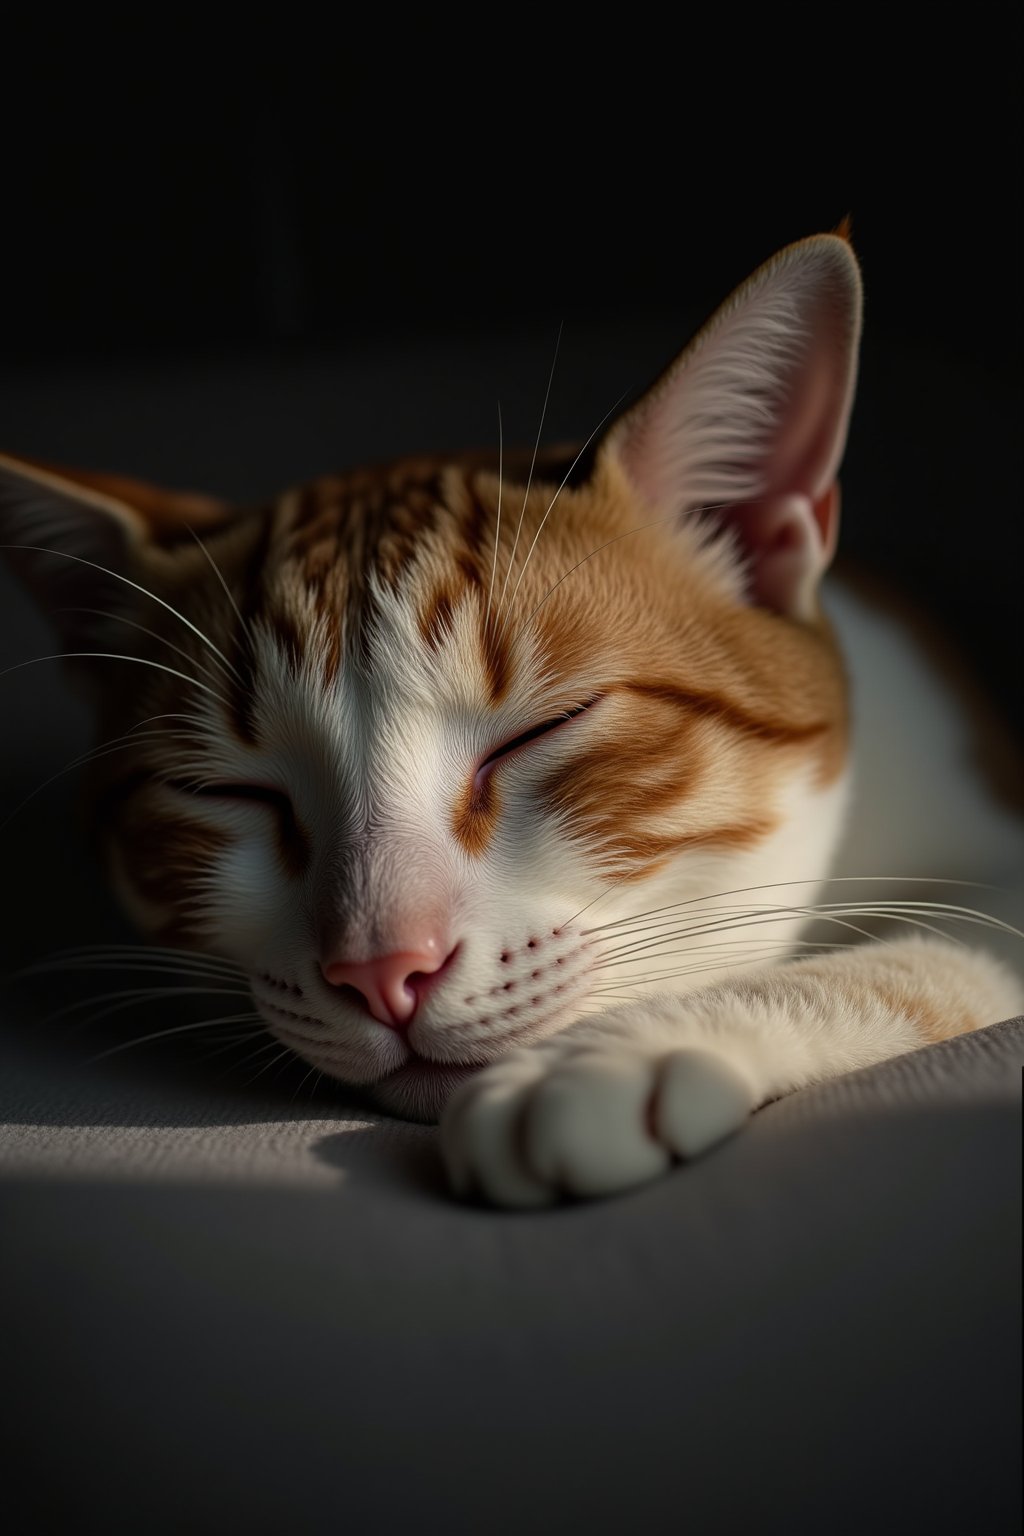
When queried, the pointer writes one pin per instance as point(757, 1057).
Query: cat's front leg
point(614, 1100)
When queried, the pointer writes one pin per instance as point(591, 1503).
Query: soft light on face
point(416, 767)
point(418, 870)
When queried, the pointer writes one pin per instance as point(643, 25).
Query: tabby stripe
point(714, 706)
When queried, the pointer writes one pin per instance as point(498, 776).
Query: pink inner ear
point(787, 542)
point(749, 425)
point(805, 449)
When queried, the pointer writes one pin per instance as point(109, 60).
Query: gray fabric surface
point(229, 1312)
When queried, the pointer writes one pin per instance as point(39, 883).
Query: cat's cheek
point(143, 910)
point(237, 898)
point(248, 901)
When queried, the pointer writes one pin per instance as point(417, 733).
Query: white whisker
point(497, 525)
point(286, 1052)
point(742, 917)
point(750, 920)
point(151, 967)
point(261, 1050)
point(566, 574)
point(127, 996)
point(606, 892)
point(747, 944)
point(745, 890)
point(529, 480)
point(220, 577)
point(303, 1083)
point(561, 488)
point(126, 956)
point(121, 618)
point(63, 554)
point(162, 1034)
point(911, 913)
point(234, 1042)
point(117, 744)
point(689, 970)
point(141, 661)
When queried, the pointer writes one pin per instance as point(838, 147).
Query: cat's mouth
point(419, 1089)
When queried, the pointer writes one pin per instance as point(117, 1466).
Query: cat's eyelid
point(263, 793)
point(507, 748)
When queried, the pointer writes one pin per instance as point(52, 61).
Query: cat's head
point(413, 745)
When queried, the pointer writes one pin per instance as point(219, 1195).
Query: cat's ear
point(748, 425)
point(78, 539)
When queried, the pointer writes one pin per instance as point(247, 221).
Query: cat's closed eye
point(261, 794)
point(509, 748)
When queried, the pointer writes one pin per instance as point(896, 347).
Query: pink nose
point(391, 984)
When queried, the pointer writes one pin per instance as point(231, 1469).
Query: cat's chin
point(419, 1090)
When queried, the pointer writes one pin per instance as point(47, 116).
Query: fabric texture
point(227, 1311)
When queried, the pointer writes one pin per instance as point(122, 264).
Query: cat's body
point(522, 780)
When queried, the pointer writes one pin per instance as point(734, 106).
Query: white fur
point(920, 805)
point(606, 1104)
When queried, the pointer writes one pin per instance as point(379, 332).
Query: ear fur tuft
point(103, 522)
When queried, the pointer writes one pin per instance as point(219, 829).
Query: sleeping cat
point(511, 783)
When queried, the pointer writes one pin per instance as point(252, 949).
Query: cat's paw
point(587, 1118)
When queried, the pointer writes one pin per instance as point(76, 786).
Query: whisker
point(115, 744)
point(566, 574)
point(140, 661)
point(561, 488)
point(769, 948)
point(533, 462)
point(260, 1050)
point(606, 892)
point(63, 554)
point(286, 1052)
point(233, 1042)
point(128, 996)
point(497, 526)
point(911, 913)
point(905, 912)
point(162, 1034)
point(303, 1083)
point(129, 948)
point(127, 957)
point(706, 919)
point(742, 917)
point(744, 890)
point(120, 618)
point(746, 944)
point(747, 921)
point(118, 744)
point(689, 970)
point(154, 967)
point(220, 577)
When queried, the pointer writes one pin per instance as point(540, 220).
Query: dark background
point(235, 261)
point(239, 262)
point(294, 194)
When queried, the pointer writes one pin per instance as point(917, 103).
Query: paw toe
point(585, 1125)
point(699, 1099)
point(481, 1145)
